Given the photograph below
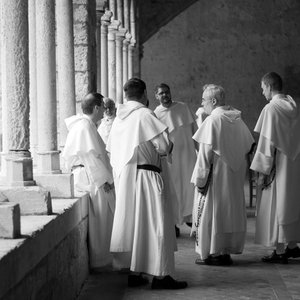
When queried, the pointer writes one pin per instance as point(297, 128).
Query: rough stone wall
point(232, 43)
point(59, 275)
point(85, 47)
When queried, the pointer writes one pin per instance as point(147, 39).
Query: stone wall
point(85, 48)
point(50, 259)
point(232, 43)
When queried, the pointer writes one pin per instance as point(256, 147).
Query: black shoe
point(137, 280)
point(177, 231)
point(294, 253)
point(189, 224)
point(275, 258)
point(167, 283)
point(220, 260)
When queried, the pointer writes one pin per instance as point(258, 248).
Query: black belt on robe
point(149, 168)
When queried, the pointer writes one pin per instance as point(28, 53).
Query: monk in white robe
point(219, 219)
point(143, 232)
point(277, 160)
point(84, 154)
point(108, 118)
point(181, 126)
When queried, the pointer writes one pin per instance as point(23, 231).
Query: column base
point(48, 162)
point(19, 168)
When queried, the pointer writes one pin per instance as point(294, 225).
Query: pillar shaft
point(125, 56)
point(98, 49)
point(48, 159)
point(120, 35)
point(131, 49)
point(3, 95)
point(32, 79)
point(16, 91)
point(105, 21)
point(112, 29)
point(112, 8)
point(126, 15)
point(132, 19)
point(65, 66)
point(120, 16)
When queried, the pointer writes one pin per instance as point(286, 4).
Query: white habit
point(142, 228)
point(84, 152)
point(181, 125)
point(278, 210)
point(105, 127)
point(224, 141)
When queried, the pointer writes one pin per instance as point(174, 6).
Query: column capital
point(120, 34)
point(99, 15)
point(106, 18)
point(127, 39)
point(132, 42)
point(114, 25)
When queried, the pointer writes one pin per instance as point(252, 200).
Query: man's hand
point(107, 187)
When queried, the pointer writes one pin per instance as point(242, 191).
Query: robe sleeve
point(97, 172)
point(203, 165)
point(263, 159)
point(161, 143)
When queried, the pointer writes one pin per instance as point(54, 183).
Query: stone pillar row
point(118, 43)
point(37, 74)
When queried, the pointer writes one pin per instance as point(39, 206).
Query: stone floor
point(247, 278)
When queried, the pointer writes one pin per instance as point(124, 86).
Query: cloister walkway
point(247, 278)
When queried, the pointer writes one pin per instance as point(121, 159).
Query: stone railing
point(49, 260)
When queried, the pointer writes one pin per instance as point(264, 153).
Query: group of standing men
point(158, 170)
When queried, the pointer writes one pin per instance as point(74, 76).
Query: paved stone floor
point(247, 278)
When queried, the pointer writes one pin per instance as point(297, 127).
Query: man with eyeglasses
point(219, 218)
point(181, 126)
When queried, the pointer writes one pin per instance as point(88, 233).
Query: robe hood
point(282, 112)
point(221, 129)
point(175, 116)
point(133, 125)
point(125, 109)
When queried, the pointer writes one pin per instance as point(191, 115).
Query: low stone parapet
point(50, 258)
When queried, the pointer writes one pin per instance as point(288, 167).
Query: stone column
point(132, 19)
point(112, 8)
point(4, 128)
point(65, 67)
point(120, 12)
point(16, 91)
point(131, 50)
point(48, 156)
point(126, 15)
point(105, 21)
point(32, 80)
point(126, 43)
point(120, 35)
point(98, 48)
point(112, 29)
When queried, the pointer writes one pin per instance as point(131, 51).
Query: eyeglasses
point(205, 100)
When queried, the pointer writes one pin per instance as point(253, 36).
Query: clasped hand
point(108, 187)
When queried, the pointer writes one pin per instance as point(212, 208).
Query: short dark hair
point(161, 86)
point(134, 88)
point(90, 101)
point(273, 80)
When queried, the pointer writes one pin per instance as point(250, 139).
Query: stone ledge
point(39, 236)
point(59, 185)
